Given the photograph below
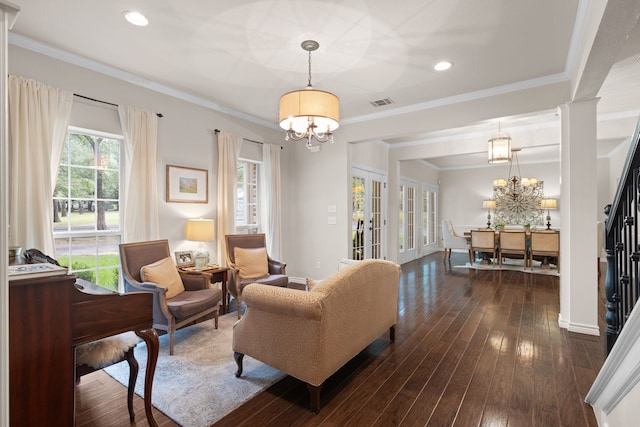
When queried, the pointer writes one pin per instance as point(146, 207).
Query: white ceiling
point(513, 63)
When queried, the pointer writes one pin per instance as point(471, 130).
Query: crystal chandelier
point(309, 113)
point(499, 147)
point(518, 198)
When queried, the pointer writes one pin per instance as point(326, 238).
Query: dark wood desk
point(48, 317)
point(218, 274)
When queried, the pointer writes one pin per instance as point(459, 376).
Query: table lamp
point(200, 230)
point(549, 204)
point(488, 204)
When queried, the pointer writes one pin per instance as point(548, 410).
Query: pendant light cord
point(309, 85)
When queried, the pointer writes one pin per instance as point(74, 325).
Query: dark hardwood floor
point(473, 348)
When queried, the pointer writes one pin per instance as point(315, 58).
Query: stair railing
point(622, 245)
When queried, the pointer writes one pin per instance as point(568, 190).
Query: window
point(247, 214)
point(86, 200)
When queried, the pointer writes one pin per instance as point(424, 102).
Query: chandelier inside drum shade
point(500, 147)
point(309, 113)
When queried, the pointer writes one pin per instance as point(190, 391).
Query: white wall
point(463, 190)
point(311, 182)
point(185, 133)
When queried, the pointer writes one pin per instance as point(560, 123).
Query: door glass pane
point(376, 219)
point(401, 220)
point(357, 218)
point(411, 218)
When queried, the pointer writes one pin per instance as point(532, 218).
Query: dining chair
point(513, 243)
point(545, 244)
point(452, 240)
point(483, 241)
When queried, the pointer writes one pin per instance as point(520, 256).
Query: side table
point(218, 274)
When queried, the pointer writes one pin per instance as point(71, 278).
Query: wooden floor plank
point(473, 348)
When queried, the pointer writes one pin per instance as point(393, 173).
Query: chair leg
point(171, 330)
point(133, 375)
point(217, 313)
point(444, 257)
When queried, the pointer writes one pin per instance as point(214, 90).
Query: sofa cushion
point(252, 262)
point(193, 302)
point(163, 273)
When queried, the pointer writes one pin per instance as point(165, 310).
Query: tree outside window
point(86, 206)
point(247, 215)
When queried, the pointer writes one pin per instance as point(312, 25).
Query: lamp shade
point(549, 204)
point(200, 230)
point(301, 107)
point(488, 204)
point(499, 148)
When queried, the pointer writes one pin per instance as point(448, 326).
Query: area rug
point(197, 385)
point(513, 265)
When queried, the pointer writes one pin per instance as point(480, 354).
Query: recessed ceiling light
point(443, 65)
point(136, 18)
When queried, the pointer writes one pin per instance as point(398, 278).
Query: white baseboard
point(579, 328)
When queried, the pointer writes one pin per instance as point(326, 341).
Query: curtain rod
point(105, 102)
point(217, 131)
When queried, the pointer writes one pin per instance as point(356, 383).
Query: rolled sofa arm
point(284, 301)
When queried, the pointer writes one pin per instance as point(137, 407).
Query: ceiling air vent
point(381, 102)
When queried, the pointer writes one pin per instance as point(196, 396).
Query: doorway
point(368, 221)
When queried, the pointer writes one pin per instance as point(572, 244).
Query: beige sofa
point(311, 334)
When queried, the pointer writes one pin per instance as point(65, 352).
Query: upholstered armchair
point(179, 298)
point(452, 240)
point(249, 262)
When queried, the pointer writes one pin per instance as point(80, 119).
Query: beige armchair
point(452, 240)
point(179, 298)
point(310, 335)
point(249, 262)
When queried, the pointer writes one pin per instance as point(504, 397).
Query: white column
point(578, 213)
point(8, 13)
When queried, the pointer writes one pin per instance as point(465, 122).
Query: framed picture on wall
point(187, 185)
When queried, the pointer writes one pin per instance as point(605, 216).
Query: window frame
point(109, 234)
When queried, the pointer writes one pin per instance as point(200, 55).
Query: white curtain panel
point(271, 213)
point(38, 121)
point(228, 152)
point(140, 192)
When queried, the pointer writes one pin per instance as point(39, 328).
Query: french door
point(407, 221)
point(368, 191)
point(429, 219)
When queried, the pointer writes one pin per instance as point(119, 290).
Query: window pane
point(108, 184)
point(81, 149)
point(86, 206)
point(247, 195)
point(83, 183)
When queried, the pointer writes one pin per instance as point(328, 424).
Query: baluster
point(611, 317)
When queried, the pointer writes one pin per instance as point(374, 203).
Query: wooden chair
point(249, 262)
point(95, 355)
point(483, 241)
point(546, 244)
point(513, 243)
point(197, 301)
